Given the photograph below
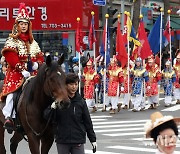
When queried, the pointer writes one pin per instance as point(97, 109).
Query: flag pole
point(94, 45)
point(169, 18)
point(95, 64)
point(160, 52)
point(79, 54)
point(105, 52)
point(128, 35)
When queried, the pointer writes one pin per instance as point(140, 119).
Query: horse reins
point(49, 119)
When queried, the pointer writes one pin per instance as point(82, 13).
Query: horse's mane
point(35, 85)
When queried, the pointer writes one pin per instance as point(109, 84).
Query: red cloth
point(144, 50)
point(120, 48)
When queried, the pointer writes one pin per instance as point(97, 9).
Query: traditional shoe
point(113, 111)
point(134, 110)
point(167, 105)
point(119, 107)
point(104, 109)
point(151, 106)
point(155, 106)
point(94, 109)
point(178, 101)
point(9, 125)
point(110, 109)
point(142, 109)
point(125, 107)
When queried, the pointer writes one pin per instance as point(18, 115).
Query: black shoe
point(9, 125)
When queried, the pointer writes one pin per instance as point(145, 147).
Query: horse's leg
point(47, 141)
point(14, 142)
point(34, 143)
point(2, 147)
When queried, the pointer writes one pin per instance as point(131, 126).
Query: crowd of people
point(135, 84)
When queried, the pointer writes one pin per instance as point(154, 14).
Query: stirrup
point(9, 125)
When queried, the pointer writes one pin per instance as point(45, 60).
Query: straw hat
point(158, 119)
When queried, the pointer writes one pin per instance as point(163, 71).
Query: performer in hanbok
point(23, 56)
point(115, 75)
point(90, 78)
point(177, 83)
point(124, 90)
point(168, 78)
point(152, 84)
point(138, 74)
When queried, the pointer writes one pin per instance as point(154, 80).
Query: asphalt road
point(121, 133)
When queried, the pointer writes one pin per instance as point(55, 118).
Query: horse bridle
point(50, 116)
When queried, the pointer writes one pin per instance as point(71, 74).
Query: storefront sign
point(49, 15)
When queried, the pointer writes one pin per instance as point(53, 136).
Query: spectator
point(73, 123)
point(164, 131)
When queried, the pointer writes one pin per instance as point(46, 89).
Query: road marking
point(98, 120)
point(173, 108)
point(132, 148)
point(118, 130)
point(101, 116)
point(124, 134)
point(118, 122)
point(114, 126)
point(100, 152)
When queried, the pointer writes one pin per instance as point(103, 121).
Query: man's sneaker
point(9, 125)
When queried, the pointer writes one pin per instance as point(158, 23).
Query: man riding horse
point(23, 55)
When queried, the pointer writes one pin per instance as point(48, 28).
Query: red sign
point(51, 14)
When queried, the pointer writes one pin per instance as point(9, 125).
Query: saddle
point(16, 103)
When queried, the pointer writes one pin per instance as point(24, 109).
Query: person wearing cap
point(152, 84)
point(90, 78)
point(115, 75)
point(23, 56)
point(177, 83)
point(75, 65)
point(164, 132)
point(168, 78)
point(138, 75)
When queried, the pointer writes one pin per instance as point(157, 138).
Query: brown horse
point(39, 93)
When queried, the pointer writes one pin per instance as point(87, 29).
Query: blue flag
point(154, 36)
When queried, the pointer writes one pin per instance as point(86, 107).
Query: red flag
point(78, 39)
point(144, 49)
point(125, 30)
point(167, 33)
point(120, 47)
point(92, 36)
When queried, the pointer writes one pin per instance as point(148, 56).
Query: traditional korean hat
point(23, 16)
point(150, 59)
point(139, 59)
point(178, 56)
point(158, 119)
point(168, 62)
point(114, 59)
point(90, 62)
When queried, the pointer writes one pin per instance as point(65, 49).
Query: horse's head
point(54, 84)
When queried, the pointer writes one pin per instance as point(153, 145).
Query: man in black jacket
point(74, 122)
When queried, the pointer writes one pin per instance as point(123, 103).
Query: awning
point(175, 23)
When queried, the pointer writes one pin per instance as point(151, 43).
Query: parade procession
point(90, 76)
